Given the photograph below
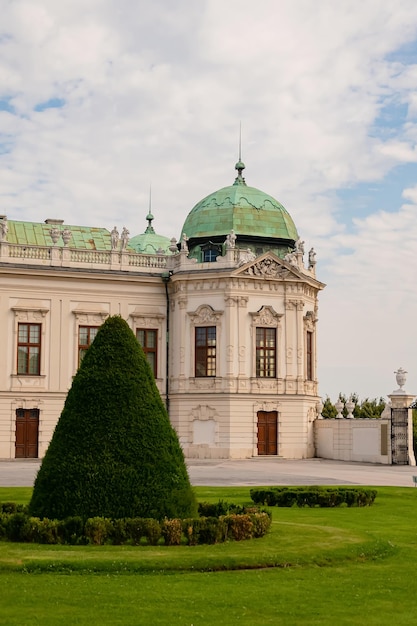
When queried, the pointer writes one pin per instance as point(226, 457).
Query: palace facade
point(227, 318)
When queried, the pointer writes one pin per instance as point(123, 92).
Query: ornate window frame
point(205, 316)
point(309, 321)
point(266, 317)
point(143, 320)
point(30, 312)
point(85, 317)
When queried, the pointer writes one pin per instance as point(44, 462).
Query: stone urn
point(66, 236)
point(339, 406)
point(55, 233)
point(400, 376)
point(319, 408)
point(350, 405)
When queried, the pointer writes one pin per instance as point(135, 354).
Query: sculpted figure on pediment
point(291, 257)
point(245, 256)
point(266, 268)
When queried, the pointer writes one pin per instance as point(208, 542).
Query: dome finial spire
point(150, 217)
point(240, 166)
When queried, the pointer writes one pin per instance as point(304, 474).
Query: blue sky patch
point(370, 197)
point(52, 103)
point(6, 106)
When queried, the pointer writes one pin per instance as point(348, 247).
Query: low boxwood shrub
point(213, 530)
point(135, 529)
point(19, 527)
point(45, 530)
point(207, 509)
point(71, 530)
point(171, 531)
point(238, 524)
point(314, 496)
point(97, 530)
point(119, 532)
point(152, 530)
point(13, 507)
point(261, 524)
point(239, 527)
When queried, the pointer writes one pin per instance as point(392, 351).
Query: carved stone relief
point(266, 316)
point(205, 314)
point(267, 268)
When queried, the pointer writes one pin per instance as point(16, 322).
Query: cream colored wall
point(217, 417)
point(214, 417)
point(62, 302)
point(358, 440)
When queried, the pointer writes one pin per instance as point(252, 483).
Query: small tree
point(329, 410)
point(363, 409)
point(114, 452)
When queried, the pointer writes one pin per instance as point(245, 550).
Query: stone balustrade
point(57, 256)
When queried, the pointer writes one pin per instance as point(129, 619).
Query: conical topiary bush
point(114, 452)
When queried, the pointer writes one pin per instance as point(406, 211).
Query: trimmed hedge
point(21, 527)
point(114, 452)
point(313, 496)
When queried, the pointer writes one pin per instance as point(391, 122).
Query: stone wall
point(357, 440)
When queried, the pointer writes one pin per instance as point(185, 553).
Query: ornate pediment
point(205, 314)
point(266, 316)
point(269, 266)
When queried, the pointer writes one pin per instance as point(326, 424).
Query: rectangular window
point(29, 349)
point(309, 348)
point(266, 347)
point(148, 339)
point(205, 351)
point(86, 336)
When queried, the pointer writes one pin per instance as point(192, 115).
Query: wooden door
point(27, 433)
point(267, 433)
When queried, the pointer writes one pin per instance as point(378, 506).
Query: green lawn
point(316, 566)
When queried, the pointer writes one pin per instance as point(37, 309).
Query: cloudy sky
point(99, 99)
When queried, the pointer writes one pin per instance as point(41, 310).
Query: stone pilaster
point(400, 402)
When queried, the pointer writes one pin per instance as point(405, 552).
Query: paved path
point(256, 471)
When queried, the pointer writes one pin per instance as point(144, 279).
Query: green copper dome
point(246, 210)
point(150, 242)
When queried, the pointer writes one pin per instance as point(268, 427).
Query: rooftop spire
point(240, 166)
point(150, 217)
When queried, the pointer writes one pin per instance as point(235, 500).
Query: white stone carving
point(205, 314)
point(230, 242)
point(66, 236)
point(124, 238)
point(350, 406)
point(311, 259)
point(339, 406)
point(266, 268)
point(54, 232)
point(401, 378)
point(266, 316)
point(114, 237)
point(3, 229)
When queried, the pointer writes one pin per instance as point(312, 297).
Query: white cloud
point(154, 92)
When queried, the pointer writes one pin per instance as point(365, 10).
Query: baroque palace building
point(227, 318)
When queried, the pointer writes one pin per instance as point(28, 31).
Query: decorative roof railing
point(57, 256)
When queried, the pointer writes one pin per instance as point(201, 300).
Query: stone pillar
point(402, 413)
